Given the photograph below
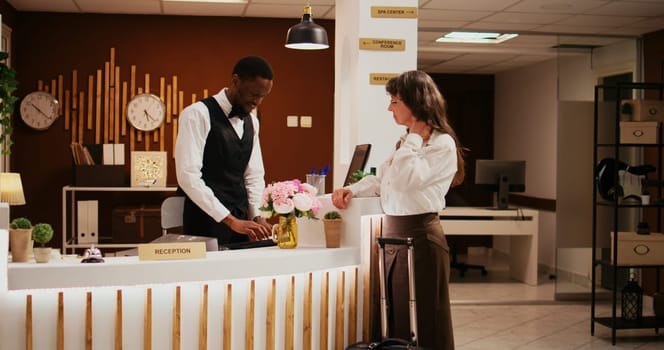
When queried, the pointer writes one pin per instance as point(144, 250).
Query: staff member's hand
point(341, 198)
point(255, 230)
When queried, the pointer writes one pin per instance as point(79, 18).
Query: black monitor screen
point(359, 160)
point(501, 177)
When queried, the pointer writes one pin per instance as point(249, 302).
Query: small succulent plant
point(21, 222)
point(332, 215)
point(42, 233)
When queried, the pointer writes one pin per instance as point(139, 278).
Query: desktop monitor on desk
point(501, 177)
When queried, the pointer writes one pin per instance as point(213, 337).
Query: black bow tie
point(237, 112)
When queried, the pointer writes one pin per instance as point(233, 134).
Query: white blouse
point(416, 178)
point(193, 129)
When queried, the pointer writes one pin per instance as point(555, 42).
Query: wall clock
point(39, 110)
point(146, 112)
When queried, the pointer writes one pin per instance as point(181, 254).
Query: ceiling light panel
point(475, 37)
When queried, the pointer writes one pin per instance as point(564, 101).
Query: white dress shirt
point(193, 129)
point(416, 178)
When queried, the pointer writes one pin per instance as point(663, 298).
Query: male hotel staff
point(218, 160)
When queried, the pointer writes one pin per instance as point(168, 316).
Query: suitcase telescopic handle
point(410, 243)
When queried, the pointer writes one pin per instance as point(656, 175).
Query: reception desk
point(310, 297)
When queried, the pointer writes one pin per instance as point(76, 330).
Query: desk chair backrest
point(171, 213)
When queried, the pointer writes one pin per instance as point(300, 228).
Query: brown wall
point(200, 51)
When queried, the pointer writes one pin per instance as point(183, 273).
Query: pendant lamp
point(307, 35)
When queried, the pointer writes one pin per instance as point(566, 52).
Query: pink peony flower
point(287, 198)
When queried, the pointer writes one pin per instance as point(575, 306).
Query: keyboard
point(248, 244)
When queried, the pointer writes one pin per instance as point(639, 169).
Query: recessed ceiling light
point(475, 37)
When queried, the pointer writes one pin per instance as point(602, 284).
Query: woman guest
point(412, 185)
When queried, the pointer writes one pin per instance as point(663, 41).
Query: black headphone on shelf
point(608, 168)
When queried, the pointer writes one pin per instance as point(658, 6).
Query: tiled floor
point(493, 312)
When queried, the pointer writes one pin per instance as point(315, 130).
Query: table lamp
point(11, 193)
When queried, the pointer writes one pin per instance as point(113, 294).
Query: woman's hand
point(421, 128)
point(341, 198)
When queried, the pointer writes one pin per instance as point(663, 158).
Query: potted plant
point(8, 85)
point(332, 223)
point(42, 234)
point(357, 176)
point(20, 239)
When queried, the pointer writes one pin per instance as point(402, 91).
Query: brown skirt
point(432, 272)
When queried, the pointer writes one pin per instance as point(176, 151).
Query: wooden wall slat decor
point(118, 320)
point(270, 316)
point(249, 317)
point(340, 313)
point(177, 319)
point(60, 338)
point(203, 321)
point(352, 307)
point(28, 322)
point(98, 122)
point(89, 114)
point(228, 314)
point(306, 317)
point(290, 315)
point(88, 321)
point(147, 321)
point(324, 310)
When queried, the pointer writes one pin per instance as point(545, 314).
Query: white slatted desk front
point(521, 225)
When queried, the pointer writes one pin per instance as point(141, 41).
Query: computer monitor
point(501, 177)
point(359, 161)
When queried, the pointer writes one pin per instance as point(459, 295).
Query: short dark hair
point(250, 67)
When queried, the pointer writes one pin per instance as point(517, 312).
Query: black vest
point(225, 160)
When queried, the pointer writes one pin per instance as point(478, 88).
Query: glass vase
point(286, 232)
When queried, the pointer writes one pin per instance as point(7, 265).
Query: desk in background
point(520, 224)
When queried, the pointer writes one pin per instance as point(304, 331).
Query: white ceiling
point(541, 23)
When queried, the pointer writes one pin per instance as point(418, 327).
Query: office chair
point(171, 213)
point(463, 267)
point(454, 199)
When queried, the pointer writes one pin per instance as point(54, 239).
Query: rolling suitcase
point(386, 342)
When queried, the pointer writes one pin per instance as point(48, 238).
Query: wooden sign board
point(380, 78)
point(393, 12)
point(382, 44)
point(172, 251)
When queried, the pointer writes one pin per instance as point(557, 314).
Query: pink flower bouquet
point(288, 198)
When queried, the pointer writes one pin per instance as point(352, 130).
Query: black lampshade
point(307, 35)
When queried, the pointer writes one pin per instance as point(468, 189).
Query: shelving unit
point(607, 143)
point(68, 238)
